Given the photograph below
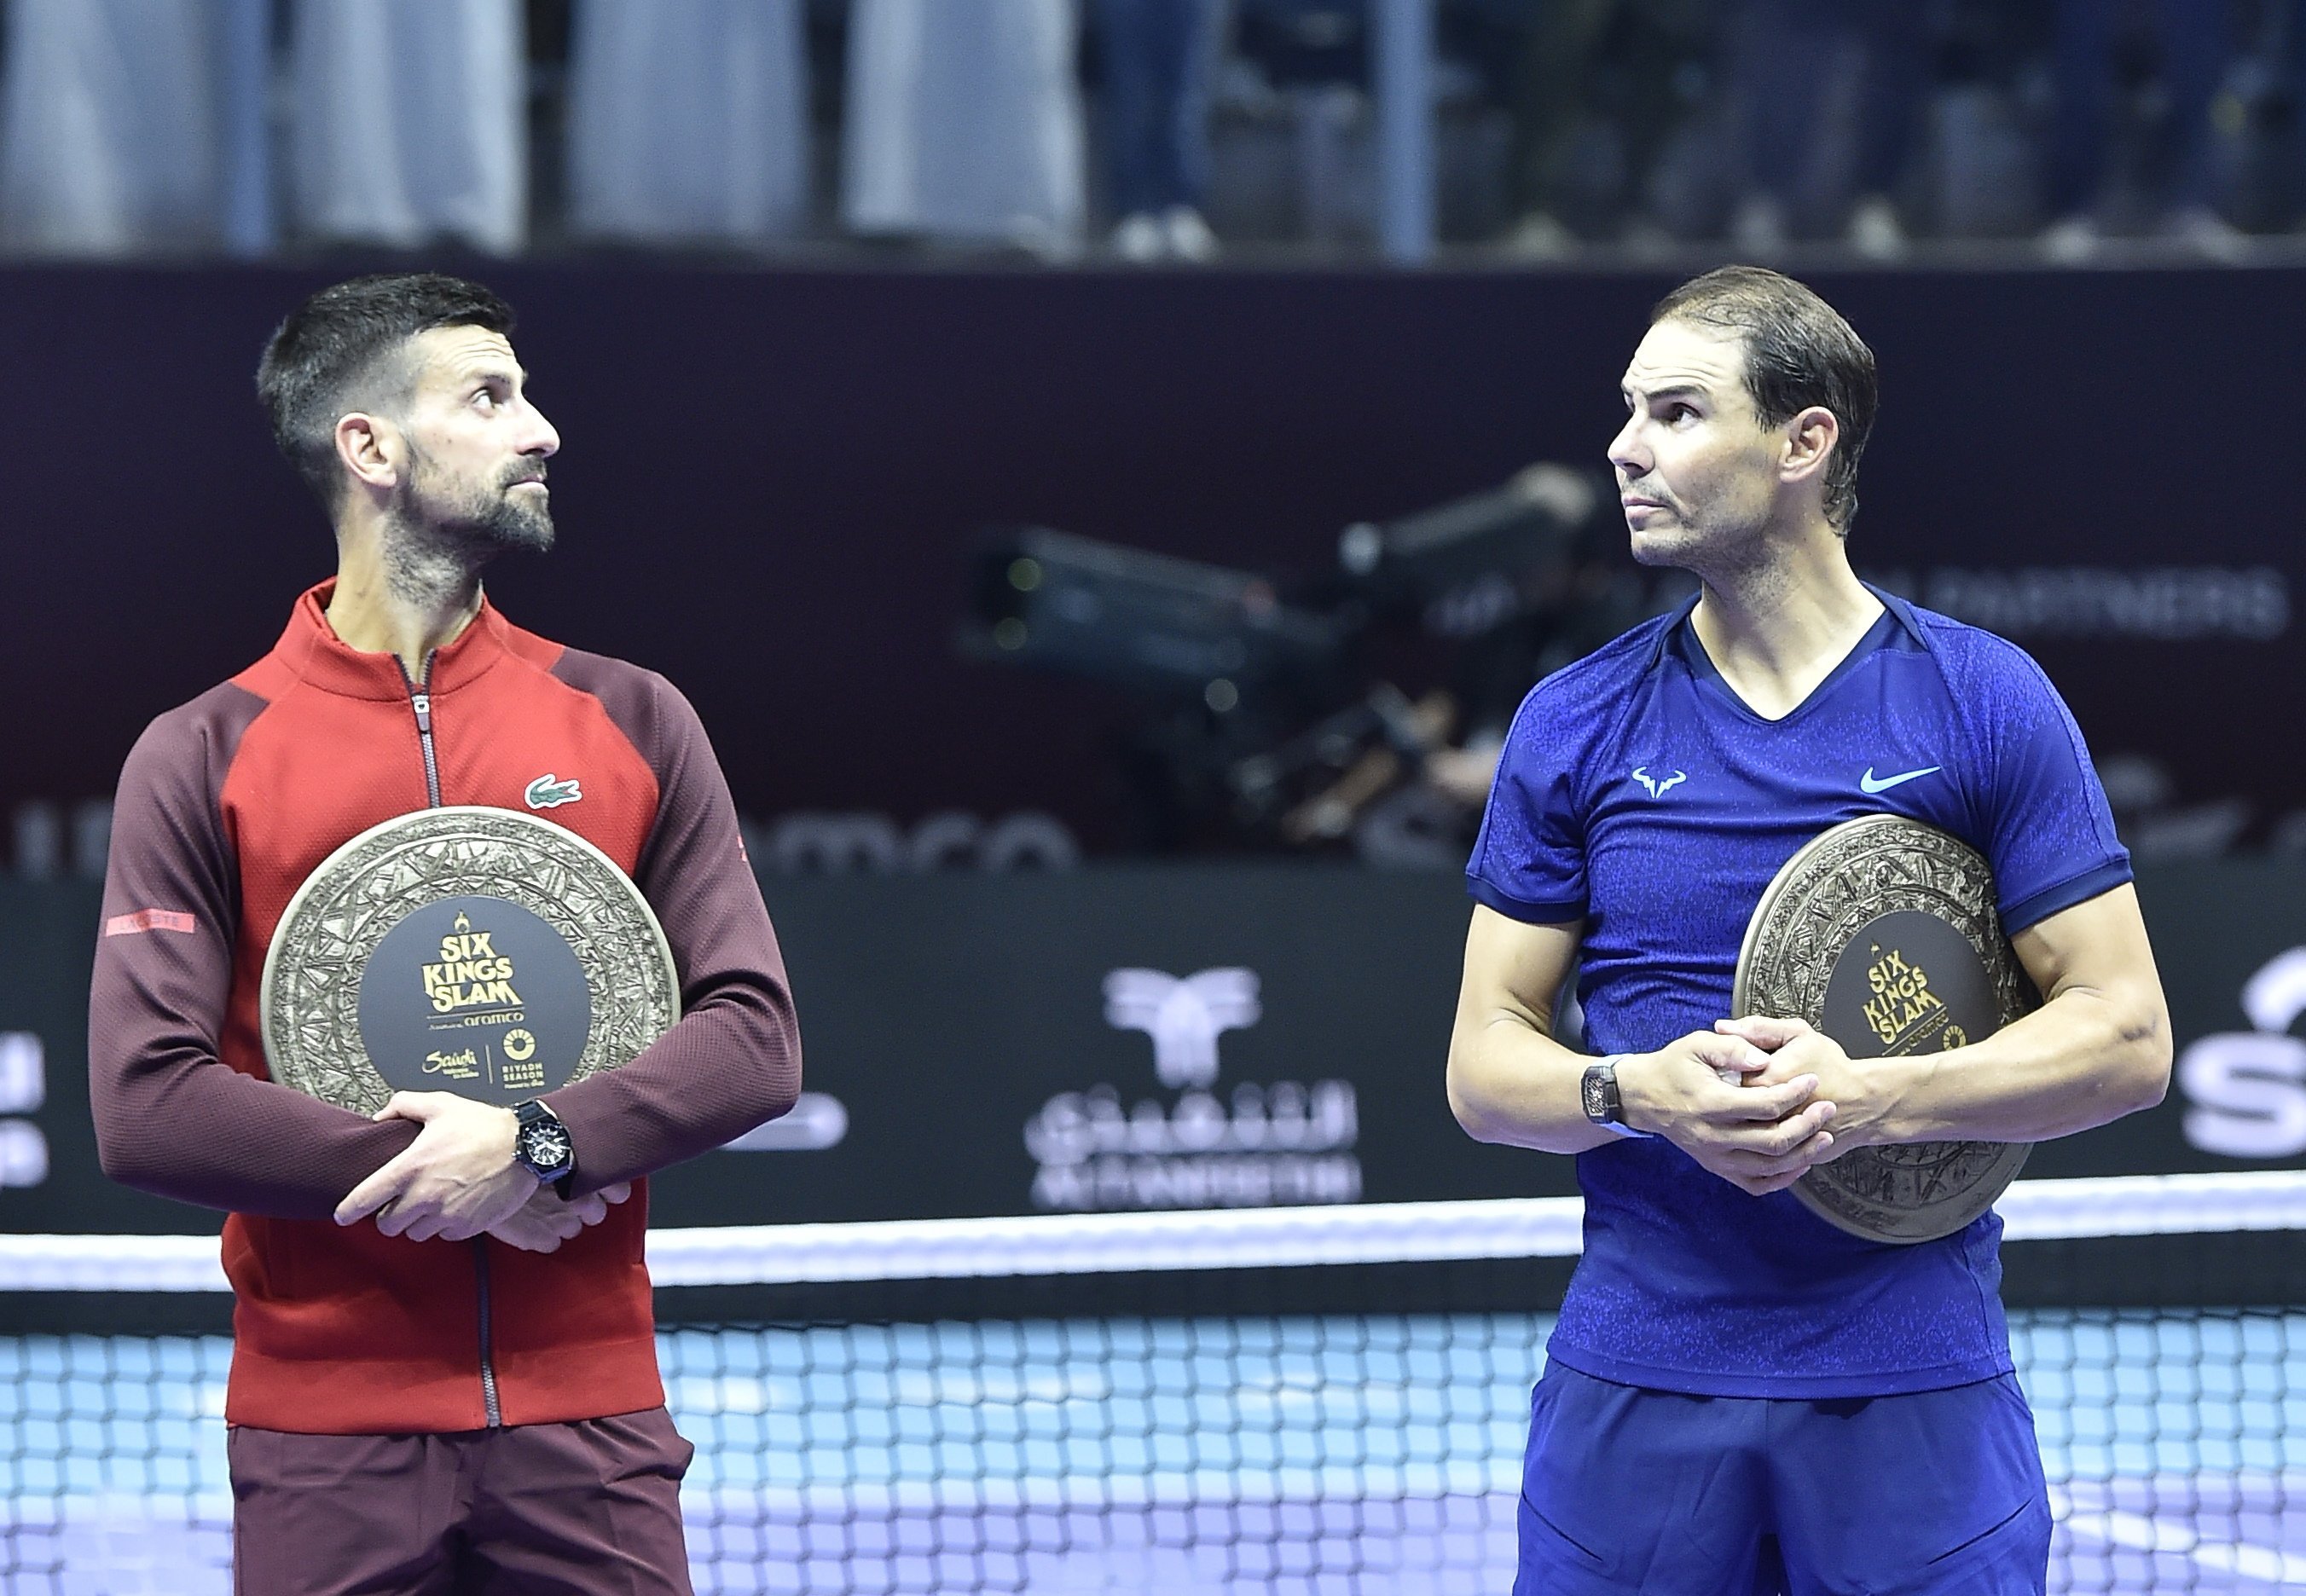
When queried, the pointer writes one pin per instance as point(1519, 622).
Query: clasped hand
point(1744, 1100)
point(545, 1221)
point(459, 1179)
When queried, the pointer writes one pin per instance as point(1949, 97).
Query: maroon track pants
point(590, 1508)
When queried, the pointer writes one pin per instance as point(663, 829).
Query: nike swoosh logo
point(1869, 784)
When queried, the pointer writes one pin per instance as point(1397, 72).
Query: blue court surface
point(1364, 1454)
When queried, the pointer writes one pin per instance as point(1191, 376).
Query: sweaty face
point(476, 447)
point(1697, 473)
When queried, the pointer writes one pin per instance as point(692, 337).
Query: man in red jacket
point(444, 1373)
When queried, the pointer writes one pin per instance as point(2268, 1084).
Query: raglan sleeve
point(172, 1117)
point(1529, 861)
point(2049, 833)
point(733, 1060)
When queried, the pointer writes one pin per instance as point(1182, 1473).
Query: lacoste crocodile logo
point(1659, 789)
point(548, 791)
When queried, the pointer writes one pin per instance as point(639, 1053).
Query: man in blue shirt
point(1739, 1396)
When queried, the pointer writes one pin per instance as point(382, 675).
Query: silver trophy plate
point(1882, 932)
point(468, 949)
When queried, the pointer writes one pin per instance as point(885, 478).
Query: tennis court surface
point(1328, 1400)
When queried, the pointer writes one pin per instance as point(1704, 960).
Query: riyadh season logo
point(1183, 1017)
point(1261, 1145)
point(2246, 1091)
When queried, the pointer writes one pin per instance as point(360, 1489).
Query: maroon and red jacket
point(224, 806)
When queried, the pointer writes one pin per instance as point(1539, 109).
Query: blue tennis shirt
point(1637, 792)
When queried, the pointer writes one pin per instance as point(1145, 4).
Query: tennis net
point(1289, 1401)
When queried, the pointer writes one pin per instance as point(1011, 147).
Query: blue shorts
point(1927, 1494)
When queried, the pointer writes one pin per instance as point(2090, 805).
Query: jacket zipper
point(420, 700)
point(489, 1408)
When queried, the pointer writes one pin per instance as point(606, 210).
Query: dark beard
point(477, 523)
point(511, 524)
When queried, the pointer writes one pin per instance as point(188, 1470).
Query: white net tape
point(1199, 1239)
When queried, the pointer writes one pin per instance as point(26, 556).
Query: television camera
point(1271, 713)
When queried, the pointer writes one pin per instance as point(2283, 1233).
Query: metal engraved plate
point(469, 950)
point(1882, 932)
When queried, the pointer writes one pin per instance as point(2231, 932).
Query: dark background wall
point(770, 481)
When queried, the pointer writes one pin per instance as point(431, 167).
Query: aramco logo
point(1262, 1145)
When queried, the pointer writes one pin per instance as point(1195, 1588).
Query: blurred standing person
point(124, 125)
point(689, 120)
point(1310, 59)
point(2192, 46)
point(964, 124)
point(1792, 58)
point(1159, 55)
point(410, 122)
point(1598, 88)
point(1546, 52)
point(1901, 43)
point(2291, 53)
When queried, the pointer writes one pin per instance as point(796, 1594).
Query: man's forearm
point(2085, 1058)
point(173, 1119)
point(195, 1129)
point(731, 1062)
point(1512, 1084)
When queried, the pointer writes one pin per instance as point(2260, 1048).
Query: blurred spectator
point(117, 136)
point(2288, 58)
point(1598, 90)
point(1830, 93)
point(1159, 56)
point(964, 123)
point(2192, 44)
point(408, 122)
point(1310, 59)
point(1542, 58)
point(1982, 177)
point(133, 126)
point(689, 120)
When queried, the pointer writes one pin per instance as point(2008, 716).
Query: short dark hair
point(1800, 351)
point(343, 336)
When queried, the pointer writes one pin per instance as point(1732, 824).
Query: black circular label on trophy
point(1907, 983)
point(476, 996)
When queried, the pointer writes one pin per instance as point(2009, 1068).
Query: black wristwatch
point(541, 1145)
point(1598, 1093)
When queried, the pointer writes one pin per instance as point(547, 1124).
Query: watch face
point(544, 1146)
point(1597, 1096)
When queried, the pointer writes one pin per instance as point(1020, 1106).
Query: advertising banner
point(1167, 1037)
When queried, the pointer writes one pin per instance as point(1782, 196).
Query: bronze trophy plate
point(1882, 932)
point(468, 949)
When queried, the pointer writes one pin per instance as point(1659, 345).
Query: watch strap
point(1612, 1118)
